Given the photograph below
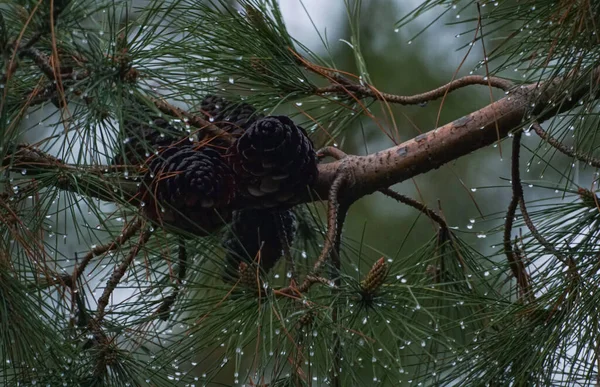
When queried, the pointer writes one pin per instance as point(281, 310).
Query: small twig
point(41, 60)
point(335, 217)
point(331, 151)
point(368, 91)
point(337, 281)
point(313, 279)
point(127, 233)
point(285, 240)
point(567, 260)
point(516, 264)
point(37, 162)
point(164, 309)
point(332, 229)
point(561, 147)
point(116, 276)
point(208, 128)
point(417, 205)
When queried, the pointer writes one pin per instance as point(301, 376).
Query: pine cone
point(189, 189)
point(247, 277)
point(253, 231)
point(234, 118)
point(143, 140)
point(375, 277)
point(275, 160)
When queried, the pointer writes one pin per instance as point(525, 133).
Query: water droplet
point(298, 103)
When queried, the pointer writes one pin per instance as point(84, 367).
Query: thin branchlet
point(369, 91)
point(164, 309)
point(128, 231)
point(417, 205)
point(117, 275)
point(562, 148)
point(332, 227)
point(515, 263)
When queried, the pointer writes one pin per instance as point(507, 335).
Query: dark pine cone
point(254, 230)
point(189, 188)
point(143, 140)
point(234, 118)
point(275, 160)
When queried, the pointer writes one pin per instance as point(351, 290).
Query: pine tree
point(179, 188)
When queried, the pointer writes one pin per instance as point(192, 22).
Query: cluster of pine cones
point(192, 186)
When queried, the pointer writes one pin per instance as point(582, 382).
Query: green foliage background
point(462, 324)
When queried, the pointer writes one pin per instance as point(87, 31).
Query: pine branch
point(447, 143)
point(417, 205)
point(92, 181)
point(563, 148)
point(391, 166)
point(514, 258)
point(370, 91)
point(116, 277)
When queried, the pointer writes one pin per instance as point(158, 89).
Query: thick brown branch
point(435, 148)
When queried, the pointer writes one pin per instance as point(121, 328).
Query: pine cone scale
point(274, 159)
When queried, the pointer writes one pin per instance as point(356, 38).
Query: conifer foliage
point(167, 219)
